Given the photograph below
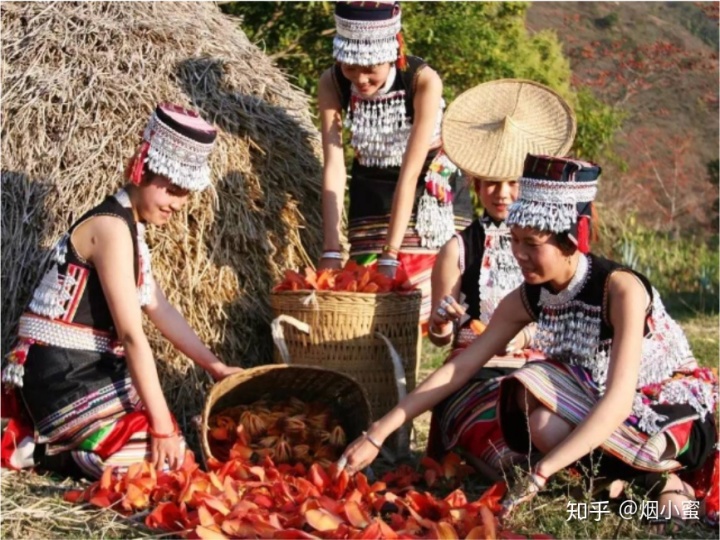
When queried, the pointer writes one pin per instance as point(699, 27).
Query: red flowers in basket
point(352, 278)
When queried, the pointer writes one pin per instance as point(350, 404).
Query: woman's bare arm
point(445, 280)
point(508, 318)
point(106, 242)
point(427, 105)
point(334, 175)
point(176, 330)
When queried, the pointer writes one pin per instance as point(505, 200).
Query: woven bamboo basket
point(345, 397)
point(350, 333)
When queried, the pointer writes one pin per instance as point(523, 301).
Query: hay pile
point(79, 82)
point(33, 507)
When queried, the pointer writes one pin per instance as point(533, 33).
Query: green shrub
point(684, 270)
point(608, 21)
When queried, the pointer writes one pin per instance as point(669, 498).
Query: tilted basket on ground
point(345, 398)
point(350, 332)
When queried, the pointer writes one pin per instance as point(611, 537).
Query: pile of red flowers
point(241, 499)
point(252, 496)
point(352, 278)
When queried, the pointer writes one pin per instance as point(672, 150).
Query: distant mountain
point(658, 63)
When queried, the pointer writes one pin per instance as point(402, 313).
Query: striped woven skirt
point(683, 440)
point(371, 191)
point(84, 402)
point(468, 418)
point(368, 236)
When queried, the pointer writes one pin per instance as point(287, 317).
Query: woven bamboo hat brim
point(488, 130)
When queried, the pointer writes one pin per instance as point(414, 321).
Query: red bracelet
point(536, 473)
point(157, 435)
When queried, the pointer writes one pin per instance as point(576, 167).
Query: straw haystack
point(79, 81)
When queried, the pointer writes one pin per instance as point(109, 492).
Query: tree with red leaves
point(619, 70)
point(666, 184)
point(711, 9)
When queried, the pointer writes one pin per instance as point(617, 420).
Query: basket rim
point(305, 292)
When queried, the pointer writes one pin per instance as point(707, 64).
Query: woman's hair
point(566, 245)
point(595, 222)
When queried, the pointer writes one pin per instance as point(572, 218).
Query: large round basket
point(346, 333)
point(346, 399)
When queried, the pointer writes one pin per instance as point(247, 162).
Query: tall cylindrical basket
point(374, 338)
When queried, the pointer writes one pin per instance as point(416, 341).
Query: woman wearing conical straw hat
point(405, 200)
point(619, 391)
point(82, 361)
point(487, 132)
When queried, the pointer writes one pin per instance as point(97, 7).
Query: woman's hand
point(387, 265)
point(329, 264)
point(218, 371)
point(441, 322)
point(166, 450)
point(388, 271)
point(449, 311)
point(516, 344)
point(523, 492)
point(521, 341)
point(440, 331)
point(360, 454)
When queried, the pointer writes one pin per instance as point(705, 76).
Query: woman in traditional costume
point(82, 363)
point(620, 386)
point(405, 198)
point(487, 132)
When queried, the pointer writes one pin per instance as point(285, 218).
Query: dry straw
point(32, 507)
point(79, 81)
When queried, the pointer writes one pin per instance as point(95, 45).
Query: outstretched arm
point(177, 331)
point(509, 317)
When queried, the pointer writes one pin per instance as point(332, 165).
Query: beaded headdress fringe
point(367, 43)
point(183, 160)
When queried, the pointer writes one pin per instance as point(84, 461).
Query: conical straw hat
point(488, 130)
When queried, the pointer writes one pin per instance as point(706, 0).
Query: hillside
point(657, 63)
